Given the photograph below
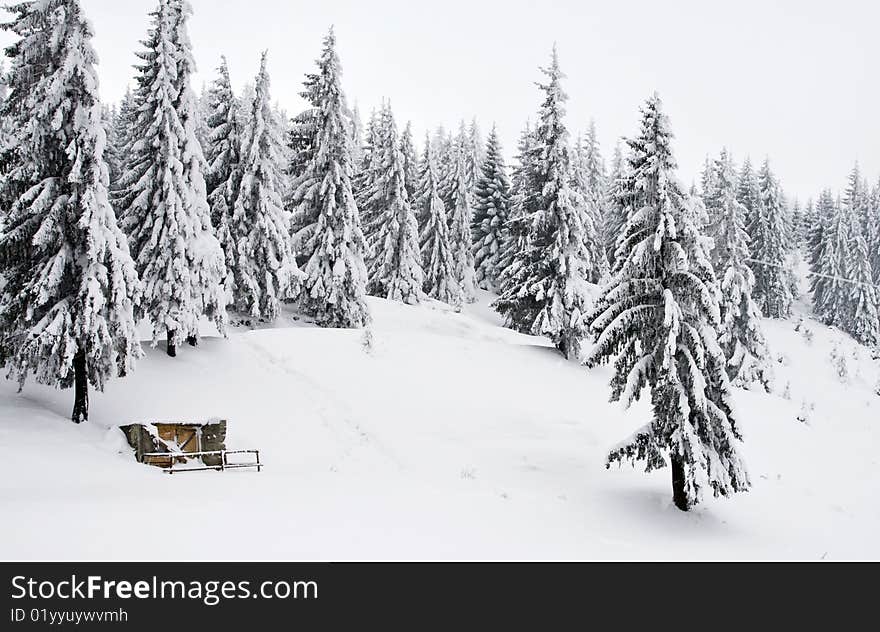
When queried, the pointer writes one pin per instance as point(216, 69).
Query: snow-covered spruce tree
point(521, 194)
point(477, 147)
point(616, 205)
point(874, 233)
point(545, 290)
point(118, 139)
point(410, 162)
point(808, 218)
point(335, 285)
point(740, 334)
point(861, 320)
point(747, 193)
point(835, 296)
point(263, 267)
point(67, 297)
point(460, 217)
point(395, 268)
point(223, 154)
point(797, 221)
point(769, 245)
point(657, 320)
point(441, 281)
point(166, 213)
point(825, 264)
point(357, 138)
point(587, 178)
point(491, 210)
point(366, 179)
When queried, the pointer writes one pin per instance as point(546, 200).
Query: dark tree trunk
point(81, 388)
point(192, 341)
point(679, 497)
point(171, 346)
point(564, 348)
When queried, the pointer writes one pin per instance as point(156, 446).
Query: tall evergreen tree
point(357, 139)
point(166, 214)
point(335, 275)
point(657, 320)
point(460, 217)
point(67, 296)
point(521, 206)
point(588, 180)
point(395, 270)
point(740, 334)
point(861, 320)
point(615, 216)
point(748, 194)
point(471, 145)
point(544, 290)
point(769, 243)
point(263, 267)
point(477, 145)
point(223, 154)
point(441, 281)
point(118, 138)
point(821, 253)
point(874, 233)
point(491, 212)
point(367, 179)
point(410, 162)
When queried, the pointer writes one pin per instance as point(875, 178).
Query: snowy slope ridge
point(451, 439)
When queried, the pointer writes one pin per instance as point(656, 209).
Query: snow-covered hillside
point(451, 438)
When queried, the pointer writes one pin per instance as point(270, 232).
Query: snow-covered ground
point(451, 439)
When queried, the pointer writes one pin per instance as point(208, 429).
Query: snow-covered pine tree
point(441, 281)
point(657, 320)
point(395, 268)
point(166, 213)
point(263, 267)
point(202, 110)
point(491, 211)
point(740, 335)
point(119, 140)
point(747, 193)
point(874, 233)
point(861, 320)
point(464, 144)
point(69, 283)
point(477, 146)
point(335, 285)
point(366, 179)
point(545, 289)
point(410, 162)
point(824, 261)
point(797, 222)
point(113, 160)
point(707, 180)
point(588, 179)
point(769, 246)
point(357, 138)
point(223, 148)
point(615, 216)
point(808, 219)
point(521, 197)
point(595, 165)
point(460, 217)
point(223, 154)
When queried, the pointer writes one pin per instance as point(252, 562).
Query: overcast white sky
point(784, 78)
